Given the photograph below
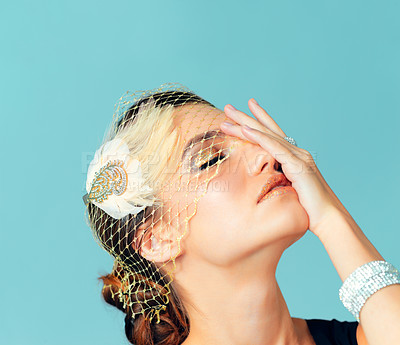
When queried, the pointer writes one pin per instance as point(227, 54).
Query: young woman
point(197, 206)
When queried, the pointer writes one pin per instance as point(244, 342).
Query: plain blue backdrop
point(327, 71)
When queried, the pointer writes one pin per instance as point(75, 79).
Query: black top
point(333, 332)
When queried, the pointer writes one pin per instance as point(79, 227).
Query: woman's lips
point(277, 191)
point(273, 182)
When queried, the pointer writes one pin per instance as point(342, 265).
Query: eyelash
point(211, 162)
point(217, 158)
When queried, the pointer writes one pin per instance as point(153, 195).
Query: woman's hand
point(299, 167)
point(344, 241)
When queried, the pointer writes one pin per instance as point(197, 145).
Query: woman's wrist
point(345, 243)
point(332, 215)
point(349, 249)
point(365, 281)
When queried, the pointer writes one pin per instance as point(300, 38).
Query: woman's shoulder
point(329, 332)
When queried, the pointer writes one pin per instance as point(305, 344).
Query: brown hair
point(173, 327)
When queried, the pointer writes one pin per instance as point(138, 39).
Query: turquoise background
point(327, 71)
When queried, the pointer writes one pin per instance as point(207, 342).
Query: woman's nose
point(263, 162)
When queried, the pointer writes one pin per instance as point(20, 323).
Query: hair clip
point(114, 181)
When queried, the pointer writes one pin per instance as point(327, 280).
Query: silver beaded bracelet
point(364, 282)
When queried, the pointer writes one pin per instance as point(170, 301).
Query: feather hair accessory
point(114, 181)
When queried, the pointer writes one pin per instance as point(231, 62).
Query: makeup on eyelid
point(205, 157)
point(212, 134)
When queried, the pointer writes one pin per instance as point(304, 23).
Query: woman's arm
point(349, 248)
point(344, 241)
point(360, 336)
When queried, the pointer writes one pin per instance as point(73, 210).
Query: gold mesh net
point(158, 158)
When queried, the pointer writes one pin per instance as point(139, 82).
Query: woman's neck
point(237, 306)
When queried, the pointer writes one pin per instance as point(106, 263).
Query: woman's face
point(225, 221)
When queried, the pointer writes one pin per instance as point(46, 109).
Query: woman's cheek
point(217, 230)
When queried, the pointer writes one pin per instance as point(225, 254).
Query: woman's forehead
point(193, 119)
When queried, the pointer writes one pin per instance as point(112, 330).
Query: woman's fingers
point(279, 148)
point(242, 118)
point(299, 167)
point(260, 133)
point(315, 195)
point(264, 118)
point(236, 130)
point(261, 122)
point(233, 129)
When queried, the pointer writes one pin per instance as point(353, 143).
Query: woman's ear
point(159, 243)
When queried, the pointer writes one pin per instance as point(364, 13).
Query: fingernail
point(228, 124)
point(230, 106)
point(254, 101)
point(247, 127)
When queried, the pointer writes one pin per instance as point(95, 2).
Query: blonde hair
point(152, 138)
point(148, 129)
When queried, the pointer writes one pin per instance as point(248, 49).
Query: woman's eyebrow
point(206, 135)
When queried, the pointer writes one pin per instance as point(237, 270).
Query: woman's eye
point(211, 162)
point(207, 160)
